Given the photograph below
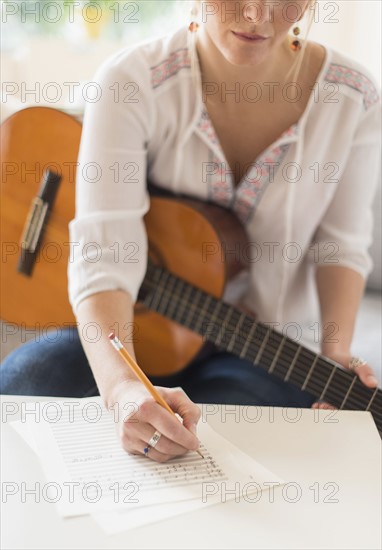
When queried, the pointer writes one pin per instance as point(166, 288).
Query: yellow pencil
point(141, 375)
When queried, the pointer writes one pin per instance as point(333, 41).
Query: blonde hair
point(301, 55)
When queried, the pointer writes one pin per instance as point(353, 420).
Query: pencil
point(141, 375)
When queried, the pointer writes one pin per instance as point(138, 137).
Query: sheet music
point(84, 459)
point(104, 457)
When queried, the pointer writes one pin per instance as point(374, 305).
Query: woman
point(231, 110)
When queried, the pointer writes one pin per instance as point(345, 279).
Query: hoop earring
point(194, 25)
point(296, 44)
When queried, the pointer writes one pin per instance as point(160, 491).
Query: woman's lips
point(249, 37)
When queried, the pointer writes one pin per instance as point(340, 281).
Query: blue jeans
point(59, 368)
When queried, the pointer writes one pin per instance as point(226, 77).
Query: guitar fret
point(167, 300)
point(158, 295)
point(185, 300)
point(225, 321)
point(202, 313)
point(245, 347)
point(247, 329)
point(359, 397)
point(310, 373)
point(213, 319)
point(301, 367)
point(182, 300)
point(372, 398)
point(178, 299)
point(348, 392)
point(217, 307)
point(327, 383)
point(232, 339)
point(192, 310)
point(276, 355)
point(261, 350)
point(376, 404)
point(286, 378)
point(337, 388)
point(197, 297)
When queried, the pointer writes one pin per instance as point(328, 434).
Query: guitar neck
point(232, 330)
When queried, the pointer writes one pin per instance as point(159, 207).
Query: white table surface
point(332, 461)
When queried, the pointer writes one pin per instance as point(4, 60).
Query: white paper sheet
point(118, 521)
point(78, 453)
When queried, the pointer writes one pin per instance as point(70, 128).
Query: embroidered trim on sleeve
point(177, 60)
point(354, 79)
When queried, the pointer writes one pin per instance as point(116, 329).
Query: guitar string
point(194, 306)
point(290, 350)
point(356, 405)
point(345, 396)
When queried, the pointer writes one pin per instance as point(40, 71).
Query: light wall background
point(357, 33)
point(350, 26)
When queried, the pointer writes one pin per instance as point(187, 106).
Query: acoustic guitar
point(180, 303)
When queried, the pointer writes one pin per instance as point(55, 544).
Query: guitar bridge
point(34, 224)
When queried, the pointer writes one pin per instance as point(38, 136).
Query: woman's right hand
point(139, 416)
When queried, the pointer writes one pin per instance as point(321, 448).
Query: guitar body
point(32, 140)
point(187, 238)
point(178, 230)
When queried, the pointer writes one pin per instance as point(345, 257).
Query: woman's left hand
point(364, 372)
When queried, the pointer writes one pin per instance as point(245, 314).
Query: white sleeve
point(345, 231)
point(108, 240)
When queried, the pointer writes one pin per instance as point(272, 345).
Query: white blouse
point(305, 201)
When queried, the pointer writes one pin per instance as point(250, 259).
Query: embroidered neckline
point(244, 197)
point(205, 126)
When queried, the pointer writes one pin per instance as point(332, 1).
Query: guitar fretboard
point(232, 330)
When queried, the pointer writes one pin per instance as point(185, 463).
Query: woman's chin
point(240, 60)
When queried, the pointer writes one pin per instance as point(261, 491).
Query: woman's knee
point(53, 364)
point(225, 378)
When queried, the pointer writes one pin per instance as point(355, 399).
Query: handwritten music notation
point(82, 456)
point(92, 454)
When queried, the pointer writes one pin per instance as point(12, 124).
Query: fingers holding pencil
point(137, 424)
point(155, 404)
point(176, 438)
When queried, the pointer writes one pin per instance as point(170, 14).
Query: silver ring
point(154, 440)
point(356, 362)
